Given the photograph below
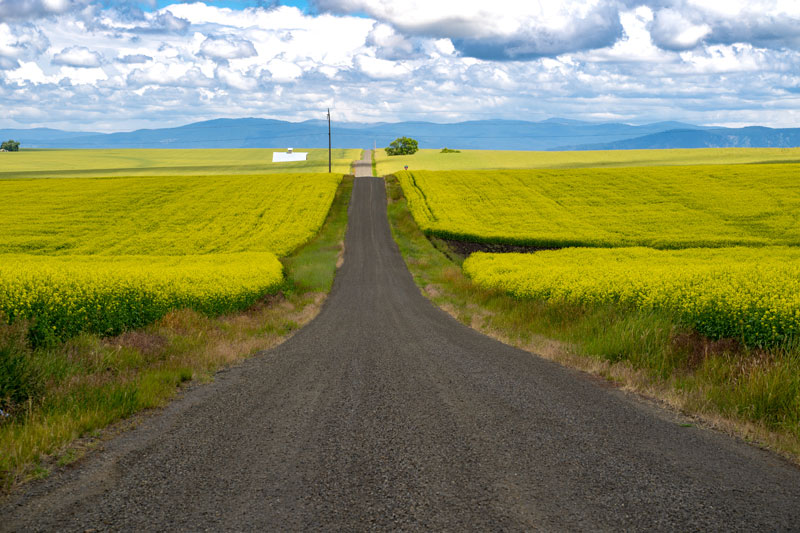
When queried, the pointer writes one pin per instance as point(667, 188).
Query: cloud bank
point(80, 64)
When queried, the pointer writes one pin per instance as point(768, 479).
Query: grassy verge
point(754, 394)
point(374, 164)
point(77, 388)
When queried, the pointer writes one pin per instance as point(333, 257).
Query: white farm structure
point(288, 156)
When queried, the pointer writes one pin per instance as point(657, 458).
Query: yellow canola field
point(166, 162)
point(65, 295)
point(172, 215)
point(429, 159)
point(748, 293)
point(104, 255)
point(660, 207)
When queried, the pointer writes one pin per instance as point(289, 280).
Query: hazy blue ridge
point(750, 137)
point(551, 134)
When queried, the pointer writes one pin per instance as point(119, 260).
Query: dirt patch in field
point(145, 342)
point(700, 348)
point(465, 248)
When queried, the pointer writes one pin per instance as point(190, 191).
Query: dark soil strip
point(465, 248)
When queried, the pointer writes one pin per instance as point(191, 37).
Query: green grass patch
point(758, 391)
point(430, 159)
point(166, 162)
point(57, 398)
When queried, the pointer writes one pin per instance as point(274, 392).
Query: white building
point(288, 156)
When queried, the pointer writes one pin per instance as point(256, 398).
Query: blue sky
point(105, 65)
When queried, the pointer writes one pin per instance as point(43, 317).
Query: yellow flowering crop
point(748, 293)
point(104, 255)
point(660, 207)
point(65, 295)
point(173, 215)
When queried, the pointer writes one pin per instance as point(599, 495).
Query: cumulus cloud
point(502, 30)
point(389, 44)
point(165, 75)
point(133, 59)
point(78, 56)
point(21, 41)
point(228, 47)
point(671, 30)
point(163, 22)
point(110, 65)
point(381, 68)
point(683, 24)
point(30, 9)
point(512, 30)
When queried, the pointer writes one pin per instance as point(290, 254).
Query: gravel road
point(385, 413)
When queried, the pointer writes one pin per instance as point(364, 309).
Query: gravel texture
point(386, 413)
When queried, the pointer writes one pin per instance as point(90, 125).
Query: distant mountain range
point(552, 134)
point(750, 137)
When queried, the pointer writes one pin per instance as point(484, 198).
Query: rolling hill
point(552, 134)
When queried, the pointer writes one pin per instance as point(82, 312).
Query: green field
point(107, 254)
point(660, 207)
point(498, 159)
point(164, 162)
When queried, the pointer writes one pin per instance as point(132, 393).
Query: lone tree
point(10, 145)
point(402, 146)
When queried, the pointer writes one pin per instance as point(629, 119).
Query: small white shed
point(288, 156)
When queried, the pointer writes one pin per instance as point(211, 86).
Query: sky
point(89, 65)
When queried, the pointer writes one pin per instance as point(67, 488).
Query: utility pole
point(329, 140)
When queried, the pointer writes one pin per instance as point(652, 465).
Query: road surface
point(385, 413)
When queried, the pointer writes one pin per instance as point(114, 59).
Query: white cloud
point(159, 22)
point(636, 45)
point(82, 75)
point(235, 79)
point(508, 29)
point(115, 68)
point(29, 71)
point(381, 68)
point(26, 9)
point(284, 71)
point(388, 43)
point(22, 41)
point(682, 24)
point(672, 31)
point(727, 59)
point(131, 59)
point(78, 56)
point(168, 75)
point(501, 30)
point(224, 48)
